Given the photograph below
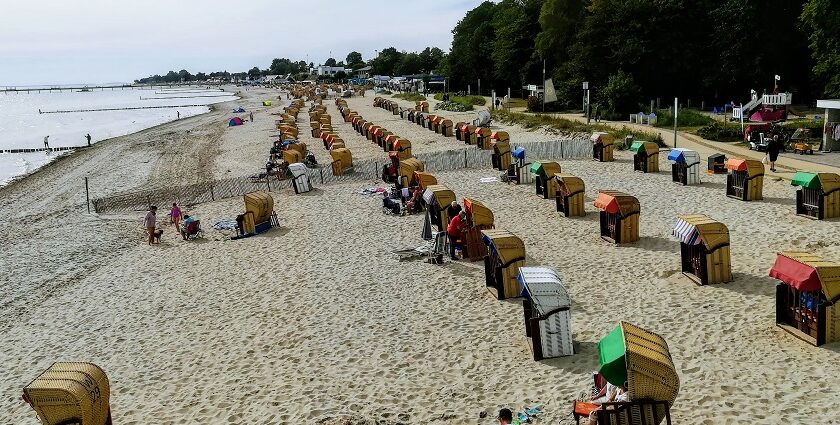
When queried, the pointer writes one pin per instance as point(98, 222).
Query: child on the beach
point(175, 215)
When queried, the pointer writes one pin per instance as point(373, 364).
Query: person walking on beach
point(88, 138)
point(251, 115)
point(47, 142)
point(773, 149)
point(175, 215)
point(149, 223)
point(179, 115)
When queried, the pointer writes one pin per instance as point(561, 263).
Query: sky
point(106, 41)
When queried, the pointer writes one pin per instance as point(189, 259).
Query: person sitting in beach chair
point(512, 176)
point(190, 228)
point(390, 205)
point(610, 394)
point(415, 203)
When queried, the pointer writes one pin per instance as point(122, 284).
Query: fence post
point(148, 200)
point(212, 195)
point(465, 158)
point(321, 171)
point(87, 194)
point(268, 182)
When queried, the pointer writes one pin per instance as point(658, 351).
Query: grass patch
point(721, 132)
point(687, 118)
point(537, 121)
point(412, 97)
point(468, 102)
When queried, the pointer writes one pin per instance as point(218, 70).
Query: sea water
point(22, 126)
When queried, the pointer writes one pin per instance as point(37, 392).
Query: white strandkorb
point(547, 310)
point(300, 180)
point(685, 166)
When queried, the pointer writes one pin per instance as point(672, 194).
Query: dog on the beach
point(158, 234)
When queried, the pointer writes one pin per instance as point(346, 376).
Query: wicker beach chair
point(70, 393)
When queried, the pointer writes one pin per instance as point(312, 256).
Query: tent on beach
point(235, 121)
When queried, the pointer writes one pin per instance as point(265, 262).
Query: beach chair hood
point(438, 194)
point(640, 359)
point(505, 244)
point(617, 202)
point(424, 180)
point(696, 229)
point(751, 167)
point(260, 204)
point(569, 184)
point(545, 169)
point(826, 182)
point(481, 215)
point(602, 138)
point(808, 272)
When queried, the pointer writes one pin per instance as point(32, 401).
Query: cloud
point(53, 41)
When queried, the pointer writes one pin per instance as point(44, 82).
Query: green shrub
point(686, 118)
point(721, 132)
point(413, 97)
point(467, 101)
point(453, 106)
point(622, 93)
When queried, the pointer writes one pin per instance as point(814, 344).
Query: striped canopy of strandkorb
point(806, 271)
point(640, 359)
point(694, 229)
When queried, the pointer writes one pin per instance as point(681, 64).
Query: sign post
point(586, 107)
point(676, 114)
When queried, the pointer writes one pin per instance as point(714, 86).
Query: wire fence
point(450, 160)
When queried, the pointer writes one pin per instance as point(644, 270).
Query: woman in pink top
point(175, 216)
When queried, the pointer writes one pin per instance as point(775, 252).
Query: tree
point(329, 62)
point(354, 60)
point(513, 46)
point(341, 75)
point(430, 59)
point(254, 72)
point(559, 21)
point(200, 76)
point(621, 93)
point(386, 62)
point(410, 63)
point(472, 41)
point(184, 75)
point(820, 18)
point(171, 77)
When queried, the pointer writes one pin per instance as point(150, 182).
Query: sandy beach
point(317, 322)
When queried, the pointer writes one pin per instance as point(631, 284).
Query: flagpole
point(543, 106)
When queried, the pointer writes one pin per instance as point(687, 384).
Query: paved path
point(785, 166)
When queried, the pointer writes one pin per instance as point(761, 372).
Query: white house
point(329, 71)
